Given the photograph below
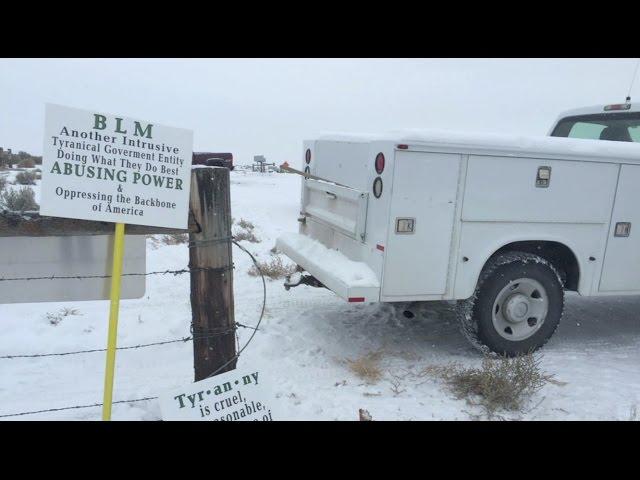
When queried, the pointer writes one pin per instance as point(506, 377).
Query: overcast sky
point(269, 106)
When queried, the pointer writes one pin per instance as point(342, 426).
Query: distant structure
point(23, 159)
point(260, 164)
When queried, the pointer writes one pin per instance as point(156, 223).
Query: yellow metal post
point(116, 277)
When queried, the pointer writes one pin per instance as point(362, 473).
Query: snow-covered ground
point(306, 337)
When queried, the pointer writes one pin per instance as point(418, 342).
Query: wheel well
point(557, 253)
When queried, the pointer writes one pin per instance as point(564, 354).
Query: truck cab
point(616, 122)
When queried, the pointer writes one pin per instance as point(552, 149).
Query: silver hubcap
point(520, 309)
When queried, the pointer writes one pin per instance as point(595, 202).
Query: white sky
point(269, 106)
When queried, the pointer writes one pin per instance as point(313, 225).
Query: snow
point(513, 144)
point(325, 262)
point(304, 342)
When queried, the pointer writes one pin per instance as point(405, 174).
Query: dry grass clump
point(26, 163)
point(174, 238)
point(247, 235)
point(367, 366)
point(499, 383)
point(245, 232)
point(273, 269)
point(246, 224)
point(26, 178)
point(22, 200)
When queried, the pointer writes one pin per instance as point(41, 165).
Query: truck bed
point(353, 281)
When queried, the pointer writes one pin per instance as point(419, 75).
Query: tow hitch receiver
point(298, 278)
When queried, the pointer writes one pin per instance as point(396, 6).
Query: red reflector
point(379, 163)
point(617, 106)
point(356, 299)
point(403, 147)
point(380, 247)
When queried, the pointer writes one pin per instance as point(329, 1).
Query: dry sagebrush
point(22, 200)
point(274, 269)
point(498, 384)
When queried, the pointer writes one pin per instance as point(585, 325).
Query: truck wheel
point(516, 307)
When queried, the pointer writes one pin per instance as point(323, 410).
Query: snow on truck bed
point(324, 262)
point(509, 144)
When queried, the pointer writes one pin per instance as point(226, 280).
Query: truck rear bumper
point(351, 280)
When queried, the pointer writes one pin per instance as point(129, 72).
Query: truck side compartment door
point(621, 266)
point(421, 223)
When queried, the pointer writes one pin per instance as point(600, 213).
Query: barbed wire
point(190, 244)
point(159, 272)
point(74, 407)
point(211, 334)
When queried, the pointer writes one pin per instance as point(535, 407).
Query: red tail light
point(617, 106)
point(380, 163)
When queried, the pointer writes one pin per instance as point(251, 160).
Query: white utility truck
point(503, 224)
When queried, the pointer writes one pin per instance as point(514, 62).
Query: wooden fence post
point(213, 324)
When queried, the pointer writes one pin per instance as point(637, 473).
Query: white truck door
point(424, 191)
point(620, 271)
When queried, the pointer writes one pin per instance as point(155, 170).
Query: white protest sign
point(231, 396)
point(98, 166)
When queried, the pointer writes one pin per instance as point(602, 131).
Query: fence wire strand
point(75, 407)
point(160, 272)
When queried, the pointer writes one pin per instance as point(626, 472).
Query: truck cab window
point(620, 127)
point(590, 131)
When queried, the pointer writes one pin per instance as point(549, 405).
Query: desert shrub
point(367, 366)
point(27, 163)
point(174, 238)
point(499, 383)
point(245, 232)
point(247, 235)
point(21, 200)
point(246, 224)
point(273, 269)
point(26, 178)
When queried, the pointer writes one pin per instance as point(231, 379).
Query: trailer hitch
point(298, 278)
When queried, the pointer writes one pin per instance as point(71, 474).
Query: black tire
point(476, 313)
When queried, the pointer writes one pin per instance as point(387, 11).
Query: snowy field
point(304, 343)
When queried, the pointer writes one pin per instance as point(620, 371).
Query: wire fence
point(194, 335)
point(74, 407)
